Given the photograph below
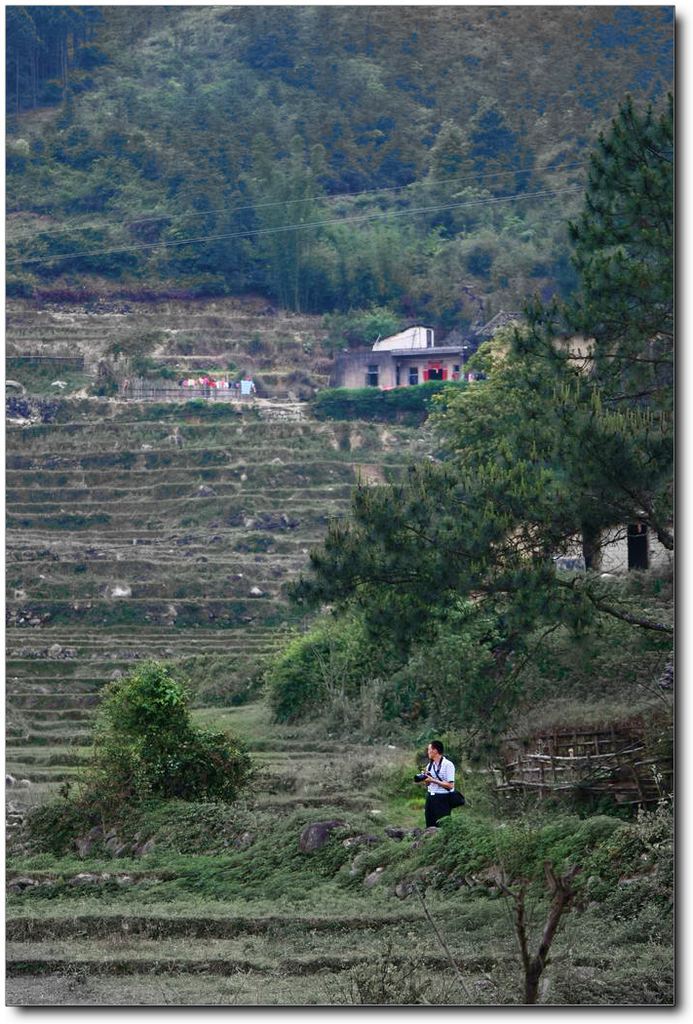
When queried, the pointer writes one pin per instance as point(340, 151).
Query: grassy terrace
point(225, 909)
point(136, 531)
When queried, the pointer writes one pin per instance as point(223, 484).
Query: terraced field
point(129, 538)
point(222, 906)
point(137, 531)
point(246, 333)
point(254, 920)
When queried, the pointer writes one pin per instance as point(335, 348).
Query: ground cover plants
point(203, 893)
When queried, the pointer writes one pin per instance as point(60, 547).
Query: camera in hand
point(420, 777)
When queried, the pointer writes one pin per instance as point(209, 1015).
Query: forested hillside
point(330, 158)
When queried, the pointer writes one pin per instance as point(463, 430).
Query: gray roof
point(437, 350)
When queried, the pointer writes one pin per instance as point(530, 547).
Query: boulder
point(373, 879)
point(314, 836)
point(244, 841)
point(10, 780)
point(20, 884)
point(85, 878)
point(491, 876)
point(115, 846)
point(84, 846)
point(427, 832)
point(405, 888)
point(362, 840)
point(393, 832)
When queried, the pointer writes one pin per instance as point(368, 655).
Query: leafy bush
point(19, 286)
point(52, 827)
point(221, 679)
point(409, 404)
point(146, 746)
point(328, 665)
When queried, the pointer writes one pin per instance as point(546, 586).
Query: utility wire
point(286, 202)
point(545, 194)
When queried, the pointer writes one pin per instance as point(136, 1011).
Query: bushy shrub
point(146, 746)
point(409, 404)
point(52, 827)
point(19, 286)
point(328, 665)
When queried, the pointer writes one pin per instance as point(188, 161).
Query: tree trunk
point(591, 546)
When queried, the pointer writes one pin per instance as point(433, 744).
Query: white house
point(413, 337)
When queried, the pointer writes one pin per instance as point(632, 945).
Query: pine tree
point(556, 444)
point(623, 251)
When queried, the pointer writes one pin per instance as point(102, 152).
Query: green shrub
point(146, 746)
point(407, 404)
point(327, 666)
point(222, 680)
point(19, 286)
point(359, 327)
point(52, 827)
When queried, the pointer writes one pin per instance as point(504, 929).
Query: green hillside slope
point(237, 127)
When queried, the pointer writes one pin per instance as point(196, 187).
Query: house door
point(435, 371)
point(638, 548)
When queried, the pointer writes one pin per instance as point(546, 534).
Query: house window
point(397, 380)
point(372, 376)
point(413, 375)
point(429, 339)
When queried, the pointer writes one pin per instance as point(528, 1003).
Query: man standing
point(439, 776)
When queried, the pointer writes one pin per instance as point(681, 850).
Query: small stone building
point(410, 357)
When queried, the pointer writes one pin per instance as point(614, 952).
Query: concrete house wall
point(353, 369)
point(614, 545)
point(388, 369)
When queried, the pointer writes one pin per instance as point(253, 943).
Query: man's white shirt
point(444, 770)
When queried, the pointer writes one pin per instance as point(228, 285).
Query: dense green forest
point(331, 158)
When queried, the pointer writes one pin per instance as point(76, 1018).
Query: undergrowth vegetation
point(146, 747)
point(159, 859)
point(339, 670)
point(406, 405)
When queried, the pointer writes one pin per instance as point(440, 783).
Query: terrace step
point(201, 926)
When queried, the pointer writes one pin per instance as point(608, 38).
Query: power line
point(544, 194)
point(286, 202)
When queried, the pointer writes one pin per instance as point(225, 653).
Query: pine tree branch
point(616, 613)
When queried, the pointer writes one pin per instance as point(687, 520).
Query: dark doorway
point(638, 547)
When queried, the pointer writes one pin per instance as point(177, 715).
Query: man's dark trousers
point(437, 806)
